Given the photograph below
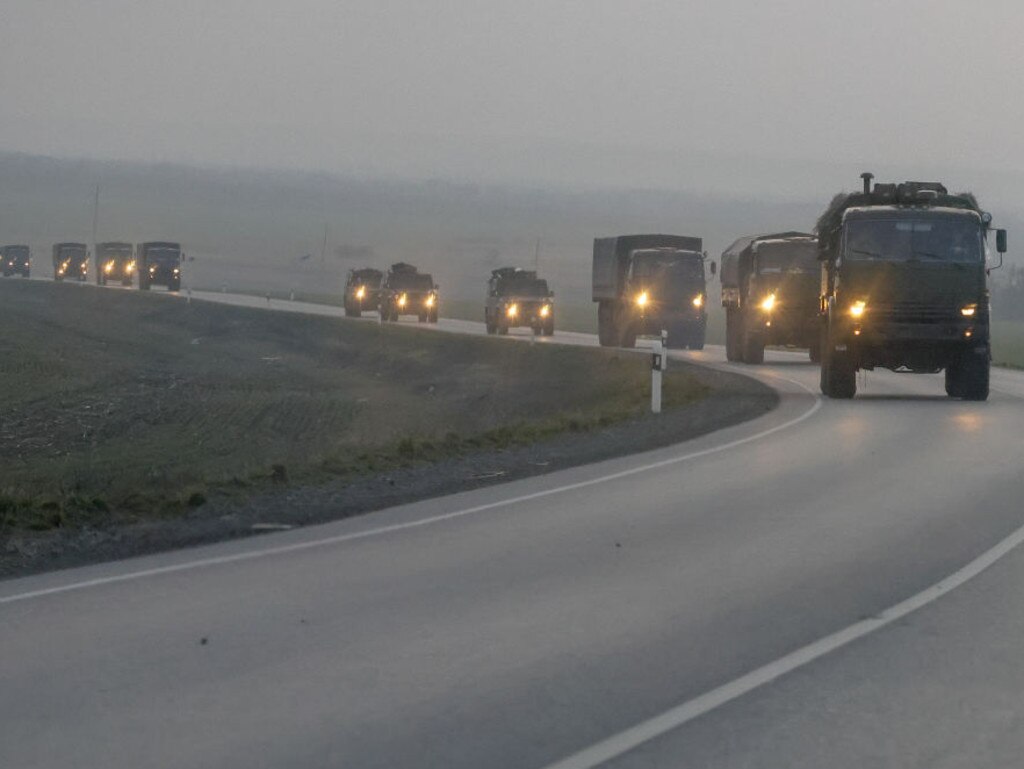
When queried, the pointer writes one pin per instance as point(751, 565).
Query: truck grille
point(914, 312)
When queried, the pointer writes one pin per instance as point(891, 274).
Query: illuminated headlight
point(176, 271)
point(85, 266)
point(129, 267)
point(768, 303)
point(108, 267)
point(642, 299)
point(361, 292)
point(512, 310)
point(429, 302)
point(545, 310)
point(857, 308)
point(152, 269)
point(698, 301)
point(969, 310)
point(402, 300)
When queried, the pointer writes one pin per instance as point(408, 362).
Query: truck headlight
point(768, 303)
point(969, 310)
point(402, 299)
point(642, 299)
point(130, 267)
point(429, 301)
point(108, 267)
point(698, 301)
point(361, 292)
point(545, 310)
point(857, 308)
point(512, 310)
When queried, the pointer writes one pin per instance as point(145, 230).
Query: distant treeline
point(1008, 295)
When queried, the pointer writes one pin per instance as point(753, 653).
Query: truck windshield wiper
point(872, 254)
point(935, 257)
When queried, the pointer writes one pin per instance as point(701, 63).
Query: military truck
point(115, 261)
point(407, 291)
point(646, 283)
point(16, 260)
point(362, 291)
point(771, 286)
point(904, 286)
point(517, 297)
point(159, 264)
point(71, 261)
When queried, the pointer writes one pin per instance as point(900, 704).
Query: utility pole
point(323, 250)
point(95, 217)
point(536, 255)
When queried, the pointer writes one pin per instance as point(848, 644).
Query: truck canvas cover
point(611, 258)
point(741, 250)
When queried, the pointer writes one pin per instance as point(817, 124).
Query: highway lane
point(520, 633)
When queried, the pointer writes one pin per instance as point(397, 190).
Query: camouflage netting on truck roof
point(907, 194)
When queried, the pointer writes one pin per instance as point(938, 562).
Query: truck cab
point(518, 298)
point(362, 291)
point(70, 261)
point(407, 291)
point(16, 260)
point(159, 264)
point(905, 288)
point(115, 261)
point(770, 292)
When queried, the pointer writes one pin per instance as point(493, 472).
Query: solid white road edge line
point(634, 737)
point(298, 546)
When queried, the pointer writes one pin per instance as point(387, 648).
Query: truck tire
point(627, 337)
point(970, 377)
point(502, 329)
point(492, 328)
point(731, 326)
point(838, 374)
point(352, 313)
point(174, 285)
point(814, 352)
point(549, 328)
point(432, 317)
point(753, 348)
point(606, 324)
point(422, 317)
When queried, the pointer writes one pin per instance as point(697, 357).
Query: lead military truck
point(904, 286)
point(362, 291)
point(159, 264)
point(407, 291)
point(770, 291)
point(644, 284)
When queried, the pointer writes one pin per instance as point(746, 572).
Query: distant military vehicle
point(644, 284)
point(517, 297)
point(115, 261)
point(904, 286)
point(770, 290)
point(407, 291)
point(362, 291)
point(159, 264)
point(16, 260)
point(71, 261)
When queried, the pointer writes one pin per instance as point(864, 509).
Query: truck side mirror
point(714, 268)
point(1001, 241)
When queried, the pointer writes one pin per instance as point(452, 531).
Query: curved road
point(521, 625)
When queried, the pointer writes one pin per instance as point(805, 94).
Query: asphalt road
point(518, 625)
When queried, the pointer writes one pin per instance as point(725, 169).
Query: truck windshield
point(523, 287)
point(163, 255)
point(787, 257)
point(411, 281)
point(669, 267)
point(954, 239)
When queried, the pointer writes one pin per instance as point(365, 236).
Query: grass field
point(1008, 343)
point(117, 405)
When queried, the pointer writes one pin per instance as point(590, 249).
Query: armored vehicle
point(16, 260)
point(646, 283)
point(159, 264)
point(115, 261)
point(771, 285)
point(516, 298)
point(407, 291)
point(70, 260)
point(905, 286)
point(362, 291)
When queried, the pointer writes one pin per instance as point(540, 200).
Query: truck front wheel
point(753, 348)
point(968, 378)
point(838, 374)
point(606, 324)
point(732, 329)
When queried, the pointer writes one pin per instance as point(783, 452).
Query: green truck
point(904, 286)
point(70, 260)
point(16, 260)
point(115, 261)
point(770, 290)
point(517, 297)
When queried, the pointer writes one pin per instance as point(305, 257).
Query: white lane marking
point(299, 546)
point(634, 737)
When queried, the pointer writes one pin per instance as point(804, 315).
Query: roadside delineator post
point(658, 361)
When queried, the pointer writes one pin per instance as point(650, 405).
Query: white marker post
point(658, 361)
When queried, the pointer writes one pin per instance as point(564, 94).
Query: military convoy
point(644, 284)
point(159, 264)
point(904, 286)
point(15, 260)
point(362, 291)
point(770, 291)
point(407, 291)
point(115, 261)
point(518, 298)
point(70, 261)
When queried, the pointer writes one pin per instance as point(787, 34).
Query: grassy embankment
point(118, 406)
point(1008, 343)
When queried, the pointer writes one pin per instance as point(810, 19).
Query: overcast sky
point(571, 91)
